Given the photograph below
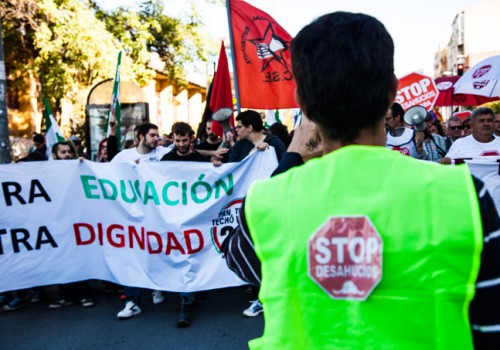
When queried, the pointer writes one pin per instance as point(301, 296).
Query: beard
point(213, 137)
point(185, 150)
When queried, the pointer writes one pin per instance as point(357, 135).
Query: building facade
point(474, 37)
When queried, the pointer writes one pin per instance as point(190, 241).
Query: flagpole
point(235, 75)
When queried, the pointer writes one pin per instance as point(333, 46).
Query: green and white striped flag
point(297, 117)
point(272, 116)
point(115, 106)
point(53, 133)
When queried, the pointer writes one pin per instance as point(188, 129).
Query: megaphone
point(415, 116)
point(222, 115)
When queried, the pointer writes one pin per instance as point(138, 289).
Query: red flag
point(262, 59)
point(221, 101)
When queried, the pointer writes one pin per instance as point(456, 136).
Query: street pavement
point(217, 323)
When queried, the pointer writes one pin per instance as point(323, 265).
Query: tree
point(61, 47)
point(151, 30)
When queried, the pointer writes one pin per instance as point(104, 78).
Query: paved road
point(217, 324)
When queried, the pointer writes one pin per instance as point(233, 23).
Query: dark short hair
point(251, 117)
point(55, 146)
point(481, 111)
point(38, 138)
point(397, 110)
point(143, 129)
point(343, 65)
point(181, 128)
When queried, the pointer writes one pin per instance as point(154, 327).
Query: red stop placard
point(345, 257)
point(416, 89)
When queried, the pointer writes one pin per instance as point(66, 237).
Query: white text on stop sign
point(360, 250)
point(416, 89)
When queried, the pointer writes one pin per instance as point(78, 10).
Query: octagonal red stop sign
point(345, 257)
point(416, 89)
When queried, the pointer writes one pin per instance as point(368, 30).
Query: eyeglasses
point(459, 127)
point(467, 127)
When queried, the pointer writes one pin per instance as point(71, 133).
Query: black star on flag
point(271, 48)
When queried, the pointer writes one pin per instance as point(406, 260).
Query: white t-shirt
point(403, 144)
point(130, 155)
point(468, 147)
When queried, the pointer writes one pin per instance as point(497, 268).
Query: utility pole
point(4, 120)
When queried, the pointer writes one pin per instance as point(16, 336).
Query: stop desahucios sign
point(416, 89)
point(345, 257)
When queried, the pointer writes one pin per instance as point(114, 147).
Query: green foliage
point(64, 47)
point(151, 30)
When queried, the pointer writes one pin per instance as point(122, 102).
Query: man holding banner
point(147, 150)
point(340, 247)
point(70, 292)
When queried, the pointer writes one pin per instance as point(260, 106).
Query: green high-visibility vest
point(428, 218)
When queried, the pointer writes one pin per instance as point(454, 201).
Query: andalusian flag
point(297, 117)
point(115, 107)
point(53, 133)
point(272, 117)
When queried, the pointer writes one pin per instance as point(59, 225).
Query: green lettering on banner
point(87, 187)
point(164, 193)
point(206, 188)
point(150, 193)
point(227, 188)
point(111, 185)
point(123, 191)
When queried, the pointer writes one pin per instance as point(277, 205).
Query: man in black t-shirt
point(183, 136)
point(212, 141)
point(182, 151)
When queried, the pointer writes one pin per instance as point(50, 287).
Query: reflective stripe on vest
point(428, 217)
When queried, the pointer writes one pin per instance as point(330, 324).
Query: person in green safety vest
point(363, 248)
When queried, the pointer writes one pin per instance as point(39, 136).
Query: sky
point(418, 28)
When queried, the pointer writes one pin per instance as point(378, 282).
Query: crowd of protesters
point(444, 143)
point(148, 146)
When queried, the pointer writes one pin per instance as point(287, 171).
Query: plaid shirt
point(435, 147)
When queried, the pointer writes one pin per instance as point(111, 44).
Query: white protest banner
point(153, 225)
point(488, 171)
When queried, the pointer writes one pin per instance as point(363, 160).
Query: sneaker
point(60, 303)
point(158, 297)
point(87, 302)
point(184, 319)
point(254, 309)
point(15, 304)
point(35, 297)
point(130, 309)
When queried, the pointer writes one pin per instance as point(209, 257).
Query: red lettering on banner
point(132, 233)
point(187, 237)
point(159, 242)
point(78, 236)
point(118, 236)
point(173, 243)
point(99, 233)
point(121, 238)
